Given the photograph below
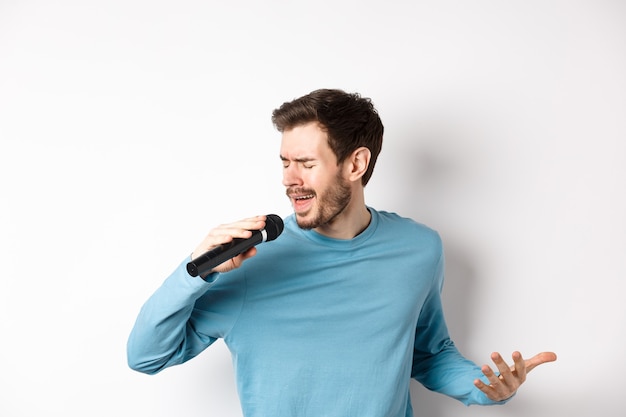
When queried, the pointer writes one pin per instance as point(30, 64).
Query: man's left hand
point(503, 386)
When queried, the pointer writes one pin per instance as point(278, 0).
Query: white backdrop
point(130, 128)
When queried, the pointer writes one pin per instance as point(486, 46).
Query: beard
point(330, 204)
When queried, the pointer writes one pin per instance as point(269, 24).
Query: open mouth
point(301, 202)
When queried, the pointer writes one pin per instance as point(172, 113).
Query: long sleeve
point(437, 363)
point(173, 325)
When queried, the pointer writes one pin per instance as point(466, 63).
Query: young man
point(336, 315)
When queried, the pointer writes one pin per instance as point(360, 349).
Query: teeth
point(304, 197)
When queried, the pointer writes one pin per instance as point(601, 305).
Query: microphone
point(204, 263)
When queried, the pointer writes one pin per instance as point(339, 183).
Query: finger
point(251, 223)
point(487, 389)
point(503, 367)
point(494, 391)
point(247, 254)
point(491, 375)
point(227, 232)
point(238, 260)
point(540, 358)
point(502, 386)
point(519, 366)
point(239, 229)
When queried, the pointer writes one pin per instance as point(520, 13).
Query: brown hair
point(349, 120)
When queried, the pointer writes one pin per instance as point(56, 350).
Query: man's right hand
point(226, 233)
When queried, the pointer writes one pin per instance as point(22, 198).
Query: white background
point(130, 128)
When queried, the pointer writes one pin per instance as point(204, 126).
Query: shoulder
point(406, 228)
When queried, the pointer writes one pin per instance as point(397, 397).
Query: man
point(336, 315)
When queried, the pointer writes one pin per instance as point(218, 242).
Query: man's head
point(349, 121)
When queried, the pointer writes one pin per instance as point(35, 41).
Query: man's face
point(315, 185)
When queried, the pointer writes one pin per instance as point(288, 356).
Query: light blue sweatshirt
point(317, 326)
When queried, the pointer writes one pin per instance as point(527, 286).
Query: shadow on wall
point(458, 296)
point(434, 167)
point(439, 169)
point(452, 174)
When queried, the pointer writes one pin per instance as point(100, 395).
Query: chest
point(344, 299)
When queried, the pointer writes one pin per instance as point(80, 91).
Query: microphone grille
point(273, 226)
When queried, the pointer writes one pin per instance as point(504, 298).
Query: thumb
point(539, 359)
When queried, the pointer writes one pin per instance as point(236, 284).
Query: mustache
point(291, 191)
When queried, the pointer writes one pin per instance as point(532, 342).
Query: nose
point(291, 176)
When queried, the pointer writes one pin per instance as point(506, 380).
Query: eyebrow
point(301, 159)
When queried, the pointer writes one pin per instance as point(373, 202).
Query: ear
point(357, 163)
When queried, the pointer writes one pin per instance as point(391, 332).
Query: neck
point(353, 220)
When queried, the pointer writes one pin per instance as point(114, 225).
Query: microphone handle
point(204, 263)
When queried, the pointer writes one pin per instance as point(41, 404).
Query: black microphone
point(204, 263)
